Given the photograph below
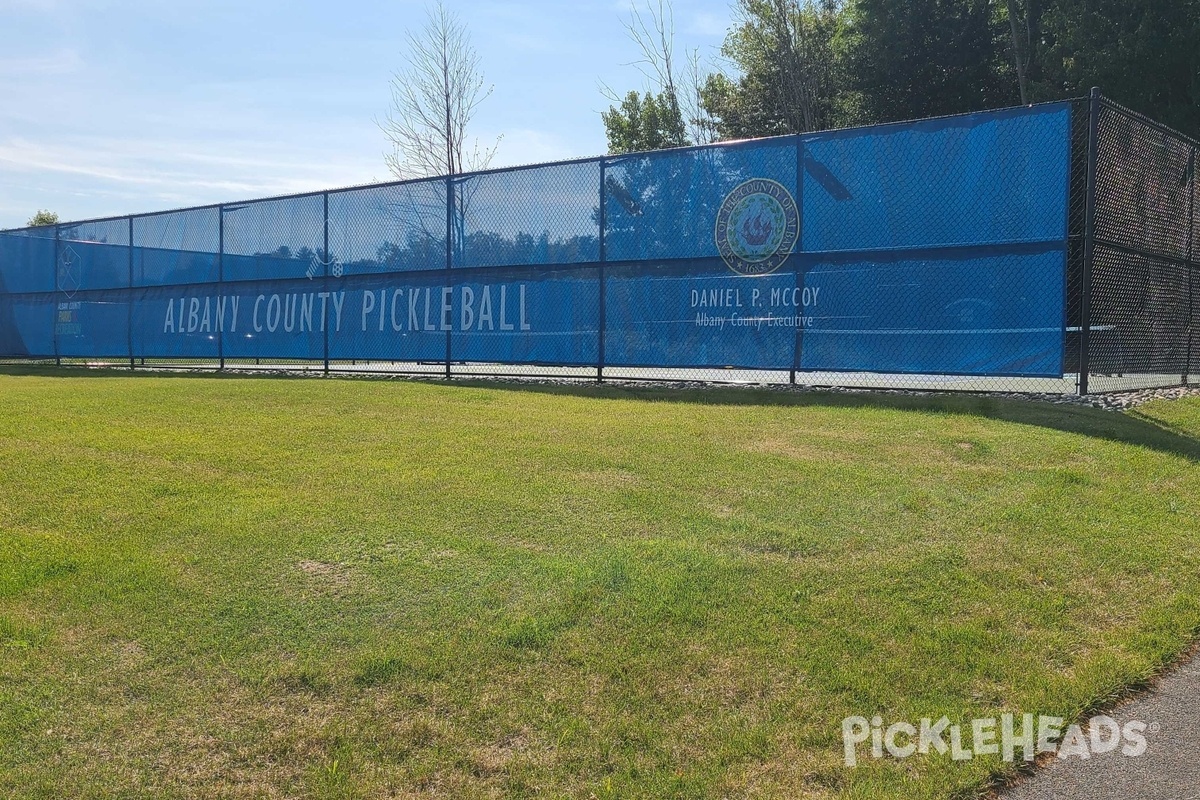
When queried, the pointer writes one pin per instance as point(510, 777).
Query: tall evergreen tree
point(1144, 53)
point(924, 58)
point(787, 54)
point(805, 65)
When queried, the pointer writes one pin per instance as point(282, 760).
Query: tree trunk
point(1021, 49)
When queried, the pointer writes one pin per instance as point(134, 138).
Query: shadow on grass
point(1133, 428)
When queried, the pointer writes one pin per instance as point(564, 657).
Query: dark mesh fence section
point(1076, 230)
point(1193, 246)
point(1142, 284)
point(1143, 186)
point(395, 228)
point(1140, 319)
point(1194, 271)
point(1194, 327)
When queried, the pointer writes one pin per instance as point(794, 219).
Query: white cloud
point(61, 62)
point(116, 106)
point(87, 177)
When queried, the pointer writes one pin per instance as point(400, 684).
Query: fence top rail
point(614, 158)
point(1142, 118)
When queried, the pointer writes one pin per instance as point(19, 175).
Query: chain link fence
point(1143, 263)
point(1039, 249)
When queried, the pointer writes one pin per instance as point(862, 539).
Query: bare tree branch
point(653, 31)
point(790, 29)
point(433, 101)
point(1022, 39)
point(702, 128)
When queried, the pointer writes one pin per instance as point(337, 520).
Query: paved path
point(1169, 769)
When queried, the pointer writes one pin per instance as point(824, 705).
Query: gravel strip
point(1113, 401)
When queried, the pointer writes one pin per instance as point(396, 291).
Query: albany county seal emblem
point(757, 227)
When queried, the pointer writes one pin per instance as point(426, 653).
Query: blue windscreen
point(537, 215)
point(27, 261)
point(935, 247)
point(980, 179)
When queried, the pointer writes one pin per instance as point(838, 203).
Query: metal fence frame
point(1089, 161)
point(1139, 296)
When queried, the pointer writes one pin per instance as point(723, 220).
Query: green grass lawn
point(238, 587)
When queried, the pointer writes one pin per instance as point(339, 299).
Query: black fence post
point(1191, 267)
point(129, 300)
point(449, 257)
point(798, 342)
point(326, 261)
point(602, 311)
point(1089, 242)
point(57, 290)
point(220, 282)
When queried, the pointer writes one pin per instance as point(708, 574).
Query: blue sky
point(109, 107)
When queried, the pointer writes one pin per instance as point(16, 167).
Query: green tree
point(43, 217)
point(791, 70)
point(1144, 54)
point(805, 65)
point(669, 111)
point(644, 122)
point(1025, 27)
point(921, 58)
